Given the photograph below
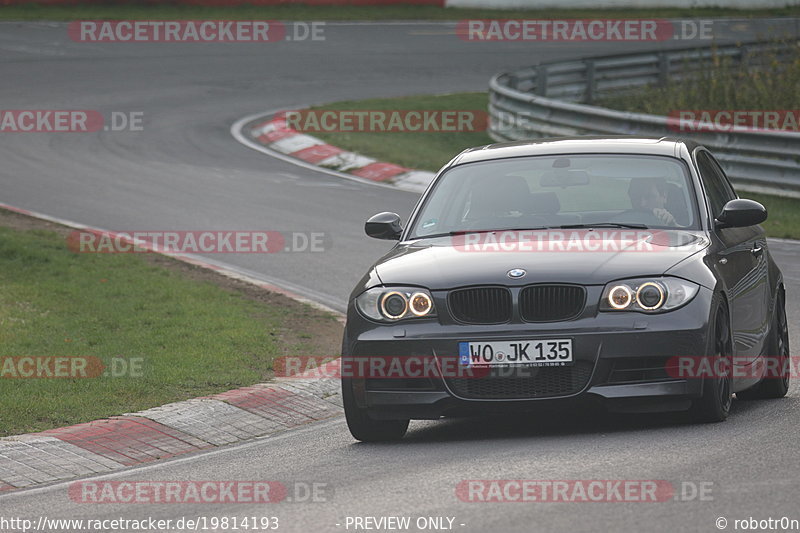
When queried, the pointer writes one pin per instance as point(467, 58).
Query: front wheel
point(367, 429)
point(715, 404)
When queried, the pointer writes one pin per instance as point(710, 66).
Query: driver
point(650, 195)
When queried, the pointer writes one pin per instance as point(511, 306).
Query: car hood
point(448, 262)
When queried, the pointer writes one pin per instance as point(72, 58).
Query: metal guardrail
point(552, 99)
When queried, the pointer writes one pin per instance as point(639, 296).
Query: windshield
point(555, 191)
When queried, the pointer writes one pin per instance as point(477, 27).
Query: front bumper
point(619, 364)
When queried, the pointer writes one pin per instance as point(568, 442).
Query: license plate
point(542, 352)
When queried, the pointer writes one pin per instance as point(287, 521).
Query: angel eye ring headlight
point(648, 295)
point(620, 297)
point(389, 304)
point(394, 305)
point(420, 304)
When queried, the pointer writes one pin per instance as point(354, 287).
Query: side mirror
point(384, 226)
point(741, 213)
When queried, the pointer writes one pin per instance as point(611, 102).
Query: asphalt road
point(184, 171)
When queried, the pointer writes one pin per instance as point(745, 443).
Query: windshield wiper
point(539, 228)
point(467, 231)
point(603, 225)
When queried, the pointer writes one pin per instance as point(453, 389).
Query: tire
point(364, 428)
point(771, 386)
point(715, 403)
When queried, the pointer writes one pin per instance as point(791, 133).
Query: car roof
point(620, 144)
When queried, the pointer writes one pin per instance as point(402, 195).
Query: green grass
point(425, 151)
point(772, 85)
point(393, 12)
point(784, 215)
point(194, 337)
point(429, 151)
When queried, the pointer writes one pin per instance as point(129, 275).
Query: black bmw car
point(543, 273)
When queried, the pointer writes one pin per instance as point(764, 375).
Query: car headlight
point(647, 295)
point(389, 304)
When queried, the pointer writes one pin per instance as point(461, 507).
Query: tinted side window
point(721, 173)
point(715, 184)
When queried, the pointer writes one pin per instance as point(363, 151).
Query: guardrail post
point(591, 83)
point(744, 56)
point(541, 80)
point(663, 68)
